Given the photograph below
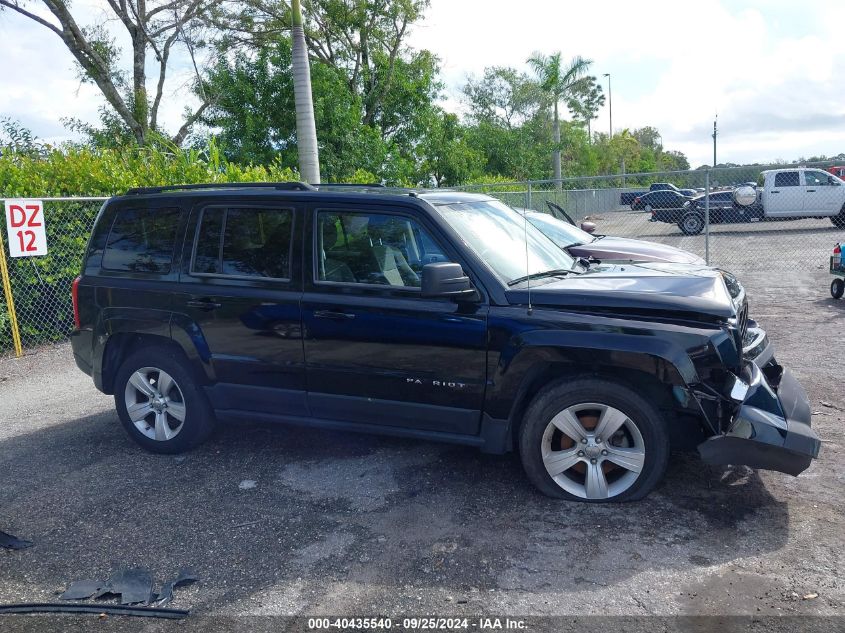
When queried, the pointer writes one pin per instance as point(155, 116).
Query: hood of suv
point(683, 288)
point(621, 248)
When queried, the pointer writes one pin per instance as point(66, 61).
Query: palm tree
point(306, 130)
point(557, 83)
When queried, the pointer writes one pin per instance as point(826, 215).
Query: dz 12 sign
point(25, 228)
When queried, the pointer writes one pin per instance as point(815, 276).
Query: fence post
point(10, 300)
point(528, 196)
point(707, 216)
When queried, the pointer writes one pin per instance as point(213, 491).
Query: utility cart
point(837, 286)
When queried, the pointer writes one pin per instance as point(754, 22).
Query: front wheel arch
point(545, 374)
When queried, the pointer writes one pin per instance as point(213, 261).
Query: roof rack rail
point(363, 185)
point(283, 186)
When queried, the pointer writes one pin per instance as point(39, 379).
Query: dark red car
point(580, 243)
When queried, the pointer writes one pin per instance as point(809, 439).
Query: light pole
point(714, 140)
point(610, 103)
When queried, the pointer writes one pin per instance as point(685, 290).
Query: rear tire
point(837, 288)
point(620, 447)
point(691, 223)
point(160, 403)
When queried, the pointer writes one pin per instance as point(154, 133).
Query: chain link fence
point(41, 285)
point(779, 243)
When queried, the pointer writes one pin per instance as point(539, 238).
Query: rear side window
point(142, 241)
point(787, 179)
point(243, 242)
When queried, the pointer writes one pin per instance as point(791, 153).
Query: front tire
point(160, 403)
point(837, 288)
point(593, 440)
point(839, 219)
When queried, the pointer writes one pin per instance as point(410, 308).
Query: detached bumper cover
point(771, 430)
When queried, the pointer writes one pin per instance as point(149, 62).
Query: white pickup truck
point(786, 194)
point(796, 193)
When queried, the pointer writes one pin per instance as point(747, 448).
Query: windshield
point(559, 232)
point(498, 235)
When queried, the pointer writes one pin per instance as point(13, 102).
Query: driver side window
point(373, 249)
point(817, 179)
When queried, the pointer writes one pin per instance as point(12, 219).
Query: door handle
point(776, 192)
point(203, 304)
point(330, 314)
point(811, 191)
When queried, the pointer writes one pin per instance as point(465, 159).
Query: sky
point(770, 69)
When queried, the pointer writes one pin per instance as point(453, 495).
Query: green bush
point(41, 285)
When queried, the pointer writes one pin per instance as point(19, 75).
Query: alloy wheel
point(593, 451)
point(155, 404)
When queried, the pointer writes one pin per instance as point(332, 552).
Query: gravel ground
point(281, 521)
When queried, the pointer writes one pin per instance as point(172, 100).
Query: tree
point(157, 27)
point(649, 137)
point(586, 100)
point(674, 161)
point(392, 87)
point(502, 96)
point(255, 117)
point(19, 140)
point(306, 130)
point(363, 39)
point(448, 159)
point(557, 83)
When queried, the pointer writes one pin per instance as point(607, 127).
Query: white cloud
point(39, 81)
point(768, 67)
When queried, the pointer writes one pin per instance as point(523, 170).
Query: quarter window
point(373, 248)
point(243, 242)
point(142, 241)
point(787, 179)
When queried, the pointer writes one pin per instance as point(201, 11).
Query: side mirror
point(444, 279)
point(589, 227)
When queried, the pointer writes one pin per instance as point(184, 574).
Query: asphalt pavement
point(283, 521)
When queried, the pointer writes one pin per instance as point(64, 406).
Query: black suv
point(430, 315)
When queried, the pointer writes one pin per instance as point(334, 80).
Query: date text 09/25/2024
point(424, 623)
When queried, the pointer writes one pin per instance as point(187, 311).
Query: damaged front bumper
point(771, 427)
point(756, 346)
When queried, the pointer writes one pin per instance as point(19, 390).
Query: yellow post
point(10, 300)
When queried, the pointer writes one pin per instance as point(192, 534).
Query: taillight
point(74, 295)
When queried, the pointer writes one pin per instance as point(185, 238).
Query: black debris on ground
point(82, 589)
point(7, 541)
point(131, 586)
point(165, 596)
